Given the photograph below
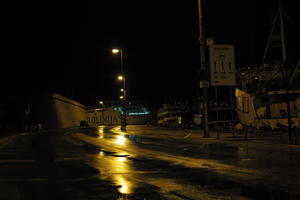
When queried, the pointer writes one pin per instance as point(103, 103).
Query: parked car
point(84, 123)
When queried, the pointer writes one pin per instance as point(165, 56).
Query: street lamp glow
point(123, 90)
point(100, 102)
point(120, 77)
point(115, 51)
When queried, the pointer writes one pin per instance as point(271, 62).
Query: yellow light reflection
point(118, 130)
point(101, 154)
point(125, 185)
point(120, 139)
point(121, 169)
point(101, 132)
point(115, 129)
point(121, 159)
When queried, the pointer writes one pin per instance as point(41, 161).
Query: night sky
point(65, 46)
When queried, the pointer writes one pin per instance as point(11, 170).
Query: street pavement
point(147, 162)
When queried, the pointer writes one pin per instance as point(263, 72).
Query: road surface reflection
point(120, 140)
point(174, 167)
point(101, 132)
point(115, 166)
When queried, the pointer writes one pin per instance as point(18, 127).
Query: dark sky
point(65, 46)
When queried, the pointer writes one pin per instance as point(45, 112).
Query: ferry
point(136, 114)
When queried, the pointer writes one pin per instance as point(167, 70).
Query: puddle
point(120, 155)
point(109, 152)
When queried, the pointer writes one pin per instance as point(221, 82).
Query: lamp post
point(123, 90)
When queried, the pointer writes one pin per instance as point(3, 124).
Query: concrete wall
point(51, 110)
point(68, 113)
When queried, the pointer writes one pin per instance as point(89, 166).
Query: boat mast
point(285, 73)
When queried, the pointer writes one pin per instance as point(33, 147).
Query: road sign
point(222, 65)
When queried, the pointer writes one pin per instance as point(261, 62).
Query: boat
point(136, 115)
point(268, 96)
point(267, 111)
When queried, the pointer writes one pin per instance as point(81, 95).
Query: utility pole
point(124, 103)
point(204, 82)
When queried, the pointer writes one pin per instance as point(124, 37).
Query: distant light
point(121, 97)
point(138, 113)
point(210, 41)
point(120, 77)
point(100, 102)
point(115, 51)
point(122, 90)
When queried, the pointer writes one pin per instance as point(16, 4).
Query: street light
point(120, 77)
point(123, 90)
point(115, 51)
point(101, 103)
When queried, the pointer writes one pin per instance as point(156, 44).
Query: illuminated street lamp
point(122, 90)
point(120, 77)
point(101, 104)
point(115, 51)
point(123, 97)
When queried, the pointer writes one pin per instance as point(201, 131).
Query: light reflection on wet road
point(156, 167)
point(174, 170)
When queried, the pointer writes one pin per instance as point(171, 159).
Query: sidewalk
point(258, 140)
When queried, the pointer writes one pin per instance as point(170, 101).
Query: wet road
point(105, 163)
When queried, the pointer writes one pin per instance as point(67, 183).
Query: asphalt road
point(105, 163)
